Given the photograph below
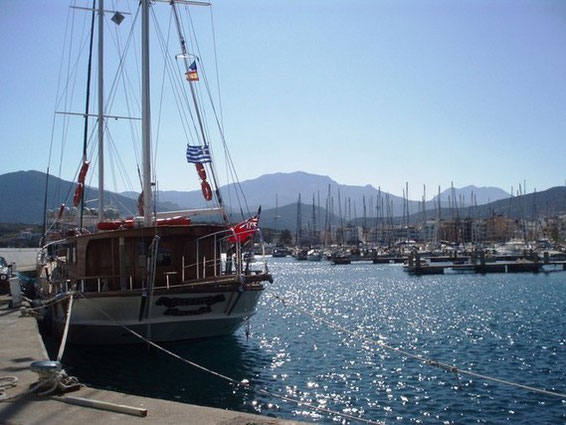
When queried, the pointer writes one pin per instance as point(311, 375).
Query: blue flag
point(198, 154)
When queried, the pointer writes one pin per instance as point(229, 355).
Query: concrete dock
point(21, 344)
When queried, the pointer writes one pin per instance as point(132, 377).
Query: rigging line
point(122, 169)
point(59, 80)
point(71, 71)
point(125, 79)
point(127, 84)
point(185, 102)
point(112, 93)
point(165, 48)
point(164, 73)
point(418, 357)
point(179, 92)
point(64, 99)
point(227, 155)
point(229, 161)
point(239, 384)
point(181, 97)
point(62, 94)
point(216, 66)
point(87, 105)
point(198, 96)
point(177, 88)
point(191, 87)
point(198, 91)
point(203, 73)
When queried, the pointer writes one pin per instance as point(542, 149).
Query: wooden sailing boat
point(160, 275)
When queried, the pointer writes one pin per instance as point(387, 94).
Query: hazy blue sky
point(366, 92)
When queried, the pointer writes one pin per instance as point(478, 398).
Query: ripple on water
point(509, 326)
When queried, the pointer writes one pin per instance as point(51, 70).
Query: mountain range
point(271, 190)
point(278, 193)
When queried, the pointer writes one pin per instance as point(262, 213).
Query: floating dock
point(417, 265)
point(22, 344)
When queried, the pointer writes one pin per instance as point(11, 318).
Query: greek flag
point(198, 154)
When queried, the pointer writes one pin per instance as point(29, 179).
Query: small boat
point(280, 252)
point(300, 254)
point(314, 255)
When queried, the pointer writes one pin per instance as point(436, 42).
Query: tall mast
point(100, 110)
point(87, 103)
point(146, 118)
point(299, 236)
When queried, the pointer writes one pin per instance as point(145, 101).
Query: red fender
point(206, 190)
point(82, 173)
point(78, 195)
point(201, 171)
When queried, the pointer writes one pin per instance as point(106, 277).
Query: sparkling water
point(509, 326)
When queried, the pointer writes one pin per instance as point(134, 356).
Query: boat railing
point(227, 255)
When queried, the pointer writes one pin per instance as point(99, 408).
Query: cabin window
point(142, 253)
point(163, 257)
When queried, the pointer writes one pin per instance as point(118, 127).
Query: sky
point(364, 91)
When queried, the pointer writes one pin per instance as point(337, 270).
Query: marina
point(496, 325)
point(286, 213)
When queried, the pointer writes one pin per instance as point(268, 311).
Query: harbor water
point(509, 326)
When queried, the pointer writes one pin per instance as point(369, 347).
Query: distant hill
point(23, 195)
point(22, 200)
point(285, 188)
point(548, 203)
point(482, 195)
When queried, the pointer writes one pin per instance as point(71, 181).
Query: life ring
point(201, 171)
point(78, 195)
point(82, 173)
point(206, 190)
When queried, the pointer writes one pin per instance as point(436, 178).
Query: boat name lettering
point(177, 312)
point(174, 302)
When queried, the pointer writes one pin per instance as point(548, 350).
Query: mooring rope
point(54, 300)
point(243, 383)
point(418, 357)
point(66, 330)
point(7, 382)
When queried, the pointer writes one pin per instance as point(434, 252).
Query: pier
point(22, 344)
point(475, 262)
point(478, 263)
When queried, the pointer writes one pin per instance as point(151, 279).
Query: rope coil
point(7, 382)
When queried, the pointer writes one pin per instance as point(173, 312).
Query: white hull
point(173, 317)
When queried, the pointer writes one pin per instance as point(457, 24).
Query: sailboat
point(166, 276)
